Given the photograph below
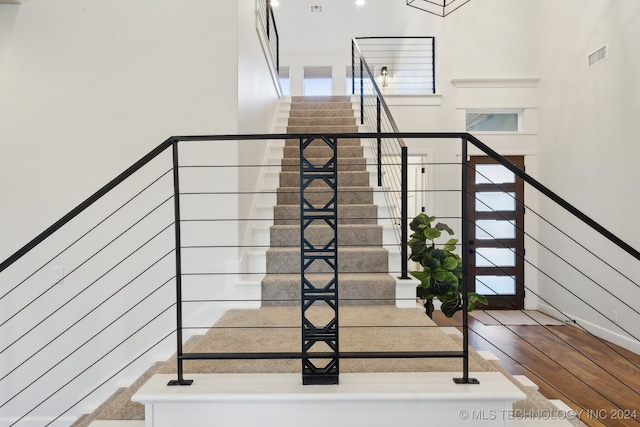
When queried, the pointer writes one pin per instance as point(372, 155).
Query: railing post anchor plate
point(179, 382)
point(466, 381)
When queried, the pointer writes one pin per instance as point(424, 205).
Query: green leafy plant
point(441, 273)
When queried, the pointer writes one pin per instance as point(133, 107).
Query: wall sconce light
point(384, 72)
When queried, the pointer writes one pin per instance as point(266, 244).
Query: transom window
point(492, 121)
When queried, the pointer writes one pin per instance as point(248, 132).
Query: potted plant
point(441, 273)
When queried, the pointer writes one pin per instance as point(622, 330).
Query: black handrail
point(378, 93)
point(382, 105)
point(556, 198)
point(270, 21)
point(84, 205)
point(394, 135)
point(271, 17)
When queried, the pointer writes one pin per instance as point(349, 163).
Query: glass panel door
point(496, 210)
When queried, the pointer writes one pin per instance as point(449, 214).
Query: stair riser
point(350, 292)
point(317, 235)
point(321, 106)
point(350, 260)
point(358, 214)
point(322, 121)
point(301, 99)
point(344, 164)
point(291, 196)
point(319, 142)
point(305, 113)
point(322, 152)
point(345, 179)
point(322, 129)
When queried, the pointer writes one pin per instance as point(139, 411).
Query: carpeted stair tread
point(323, 121)
point(321, 105)
point(302, 99)
point(359, 259)
point(277, 329)
point(347, 214)
point(322, 129)
point(319, 142)
point(345, 179)
point(348, 235)
point(318, 195)
point(355, 289)
point(319, 152)
point(344, 163)
point(332, 112)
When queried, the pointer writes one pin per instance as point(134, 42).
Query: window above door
point(493, 120)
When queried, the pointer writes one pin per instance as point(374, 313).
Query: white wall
point(88, 87)
point(8, 15)
point(578, 122)
point(324, 39)
point(258, 93)
point(587, 148)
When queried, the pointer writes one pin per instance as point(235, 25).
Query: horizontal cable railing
point(400, 65)
point(128, 290)
point(86, 294)
point(390, 154)
point(268, 22)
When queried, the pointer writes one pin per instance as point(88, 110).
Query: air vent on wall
point(316, 8)
point(598, 56)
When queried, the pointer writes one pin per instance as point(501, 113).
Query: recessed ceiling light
point(360, 2)
point(275, 3)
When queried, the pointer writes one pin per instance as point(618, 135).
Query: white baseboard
point(597, 330)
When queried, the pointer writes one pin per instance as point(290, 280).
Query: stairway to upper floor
point(363, 261)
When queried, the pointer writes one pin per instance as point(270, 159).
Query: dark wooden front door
point(496, 210)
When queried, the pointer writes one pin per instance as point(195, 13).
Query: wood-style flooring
point(599, 380)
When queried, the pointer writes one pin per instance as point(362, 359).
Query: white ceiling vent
point(316, 8)
point(598, 56)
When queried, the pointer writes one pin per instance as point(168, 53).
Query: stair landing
point(377, 399)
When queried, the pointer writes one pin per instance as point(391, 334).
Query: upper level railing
point(400, 65)
point(270, 28)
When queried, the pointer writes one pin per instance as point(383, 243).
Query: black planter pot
point(428, 307)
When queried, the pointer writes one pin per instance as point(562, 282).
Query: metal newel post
point(466, 257)
point(379, 129)
point(268, 16)
point(361, 93)
point(433, 64)
point(353, 67)
point(404, 213)
point(277, 53)
point(176, 206)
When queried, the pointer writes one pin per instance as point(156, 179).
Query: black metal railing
point(105, 309)
point(145, 273)
point(400, 65)
point(391, 155)
point(268, 22)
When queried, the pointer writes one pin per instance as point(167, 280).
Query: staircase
point(363, 262)
point(364, 280)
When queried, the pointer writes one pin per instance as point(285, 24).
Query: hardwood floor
point(599, 380)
